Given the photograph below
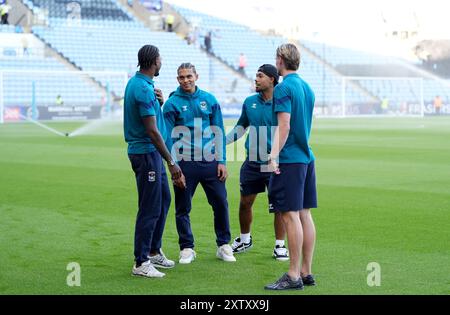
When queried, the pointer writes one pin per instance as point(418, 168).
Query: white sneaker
point(161, 261)
point(147, 270)
point(240, 247)
point(281, 253)
point(187, 255)
point(225, 252)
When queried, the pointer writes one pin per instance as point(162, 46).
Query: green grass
point(384, 196)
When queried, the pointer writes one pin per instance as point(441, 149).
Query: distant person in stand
point(25, 46)
point(242, 63)
point(4, 12)
point(59, 101)
point(170, 19)
point(208, 42)
point(437, 103)
point(384, 105)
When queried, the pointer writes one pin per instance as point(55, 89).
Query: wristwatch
point(171, 163)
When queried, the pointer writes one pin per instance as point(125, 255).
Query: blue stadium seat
point(19, 75)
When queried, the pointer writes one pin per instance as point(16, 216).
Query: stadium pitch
point(384, 197)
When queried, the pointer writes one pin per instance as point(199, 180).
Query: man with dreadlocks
point(192, 116)
point(145, 133)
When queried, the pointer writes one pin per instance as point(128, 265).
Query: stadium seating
point(19, 75)
point(106, 40)
point(98, 45)
point(432, 88)
point(326, 83)
point(7, 28)
point(227, 46)
point(230, 39)
point(89, 9)
point(339, 55)
point(105, 43)
point(399, 91)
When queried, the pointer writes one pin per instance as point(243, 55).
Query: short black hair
point(147, 56)
point(187, 65)
point(270, 71)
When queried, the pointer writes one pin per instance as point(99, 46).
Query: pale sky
point(343, 20)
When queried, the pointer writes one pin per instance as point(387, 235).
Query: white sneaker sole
point(280, 258)
point(147, 276)
point(226, 259)
point(186, 262)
